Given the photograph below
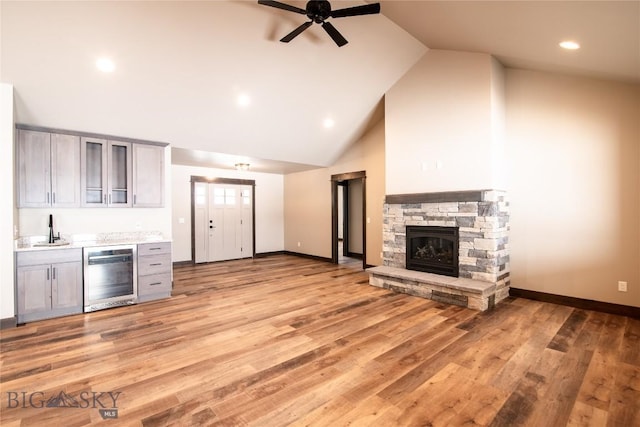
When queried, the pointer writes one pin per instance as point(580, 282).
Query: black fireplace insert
point(432, 249)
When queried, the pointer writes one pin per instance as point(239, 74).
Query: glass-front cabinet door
point(120, 178)
point(105, 173)
point(93, 171)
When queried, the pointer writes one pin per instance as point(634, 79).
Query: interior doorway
point(222, 219)
point(348, 195)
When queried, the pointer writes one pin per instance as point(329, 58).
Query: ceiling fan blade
point(282, 6)
point(367, 9)
point(335, 34)
point(293, 34)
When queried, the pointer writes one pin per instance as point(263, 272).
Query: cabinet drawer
point(50, 256)
point(154, 248)
point(154, 264)
point(156, 283)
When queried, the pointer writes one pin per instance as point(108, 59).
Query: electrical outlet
point(622, 286)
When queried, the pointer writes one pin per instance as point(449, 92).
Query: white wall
point(443, 125)
point(499, 167)
point(7, 210)
point(34, 222)
point(268, 206)
point(574, 152)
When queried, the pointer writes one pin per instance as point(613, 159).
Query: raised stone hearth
point(482, 219)
point(469, 293)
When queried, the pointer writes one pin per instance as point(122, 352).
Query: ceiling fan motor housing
point(318, 11)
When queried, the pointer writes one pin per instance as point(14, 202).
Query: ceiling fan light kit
point(319, 12)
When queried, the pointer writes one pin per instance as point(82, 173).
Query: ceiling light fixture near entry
point(105, 65)
point(242, 166)
point(243, 100)
point(328, 123)
point(569, 45)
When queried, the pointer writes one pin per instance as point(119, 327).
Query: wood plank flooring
point(284, 340)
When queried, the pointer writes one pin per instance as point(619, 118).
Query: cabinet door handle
point(48, 199)
point(53, 275)
point(155, 284)
point(53, 200)
point(109, 198)
point(134, 199)
point(155, 264)
point(105, 199)
point(154, 249)
point(48, 277)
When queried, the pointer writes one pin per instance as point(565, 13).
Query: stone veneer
point(482, 217)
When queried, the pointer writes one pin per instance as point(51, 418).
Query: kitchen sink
point(47, 244)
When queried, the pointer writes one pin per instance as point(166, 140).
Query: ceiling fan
point(318, 12)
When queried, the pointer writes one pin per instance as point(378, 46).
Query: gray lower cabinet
point(154, 271)
point(49, 284)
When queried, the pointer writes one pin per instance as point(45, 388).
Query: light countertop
point(30, 243)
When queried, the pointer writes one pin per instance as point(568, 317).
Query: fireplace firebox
point(432, 249)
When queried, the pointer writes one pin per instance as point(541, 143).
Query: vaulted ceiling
point(525, 34)
point(212, 79)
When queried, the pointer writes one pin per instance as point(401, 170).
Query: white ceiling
point(525, 34)
point(181, 65)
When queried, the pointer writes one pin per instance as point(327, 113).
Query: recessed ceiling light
point(105, 65)
point(243, 100)
point(569, 45)
point(328, 123)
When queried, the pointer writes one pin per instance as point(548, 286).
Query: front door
point(223, 222)
point(230, 217)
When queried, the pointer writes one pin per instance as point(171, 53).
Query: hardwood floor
point(290, 341)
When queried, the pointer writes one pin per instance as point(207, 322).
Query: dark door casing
point(335, 180)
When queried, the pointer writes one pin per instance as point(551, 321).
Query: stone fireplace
point(481, 219)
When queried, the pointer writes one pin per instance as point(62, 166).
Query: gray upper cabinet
point(48, 169)
point(148, 176)
point(62, 168)
point(106, 173)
